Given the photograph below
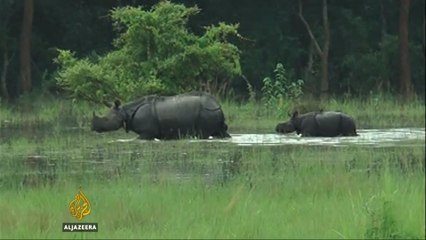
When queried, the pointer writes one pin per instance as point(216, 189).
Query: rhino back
point(328, 119)
point(304, 120)
point(133, 106)
point(178, 111)
point(329, 123)
point(209, 102)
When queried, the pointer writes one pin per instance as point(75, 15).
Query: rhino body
point(319, 124)
point(195, 114)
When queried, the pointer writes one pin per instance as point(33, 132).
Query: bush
point(155, 53)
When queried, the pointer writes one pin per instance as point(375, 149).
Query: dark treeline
point(338, 47)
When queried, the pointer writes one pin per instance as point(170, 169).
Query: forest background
point(366, 56)
point(337, 48)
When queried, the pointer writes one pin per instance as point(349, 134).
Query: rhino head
point(115, 119)
point(285, 127)
point(290, 125)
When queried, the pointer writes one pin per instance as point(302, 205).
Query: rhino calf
point(319, 124)
point(167, 117)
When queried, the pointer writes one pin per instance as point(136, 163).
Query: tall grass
point(316, 198)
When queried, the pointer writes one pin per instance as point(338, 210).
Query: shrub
point(155, 53)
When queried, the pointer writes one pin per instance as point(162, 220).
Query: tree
point(25, 45)
point(322, 52)
point(385, 78)
point(155, 53)
point(405, 68)
point(423, 36)
point(5, 39)
point(3, 79)
point(364, 57)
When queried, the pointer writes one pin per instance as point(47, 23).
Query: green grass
point(183, 189)
point(174, 210)
point(137, 190)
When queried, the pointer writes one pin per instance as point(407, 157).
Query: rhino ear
point(295, 114)
point(117, 103)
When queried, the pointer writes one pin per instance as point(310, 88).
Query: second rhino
point(319, 124)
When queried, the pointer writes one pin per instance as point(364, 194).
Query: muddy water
point(391, 137)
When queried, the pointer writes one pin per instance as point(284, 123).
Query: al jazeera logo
point(79, 208)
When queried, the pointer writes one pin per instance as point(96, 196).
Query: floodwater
point(82, 153)
point(390, 137)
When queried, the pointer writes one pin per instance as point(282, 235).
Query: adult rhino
point(166, 117)
point(319, 124)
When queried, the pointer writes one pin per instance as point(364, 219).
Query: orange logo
point(80, 206)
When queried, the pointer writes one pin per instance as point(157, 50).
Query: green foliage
point(381, 210)
point(82, 78)
point(383, 224)
point(155, 53)
point(374, 67)
point(363, 57)
point(279, 88)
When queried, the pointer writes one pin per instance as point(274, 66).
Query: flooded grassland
point(249, 186)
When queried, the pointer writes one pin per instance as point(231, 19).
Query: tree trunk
point(4, 92)
point(25, 45)
point(405, 70)
point(307, 76)
point(323, 53)
point(383, 20)
point(424, 53)
point(384, 78)
point(324, 77)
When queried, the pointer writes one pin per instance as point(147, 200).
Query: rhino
point(193, 114)
point(319, 124)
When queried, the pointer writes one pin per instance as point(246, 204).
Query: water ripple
point(391, 137)
point(367, 137)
